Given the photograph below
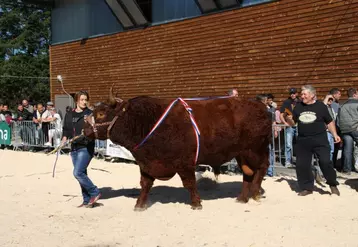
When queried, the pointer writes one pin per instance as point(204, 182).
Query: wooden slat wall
point(261, 49)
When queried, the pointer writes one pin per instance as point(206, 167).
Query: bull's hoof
point(196, 206)
point(257, 197)
point(140, 208)
point(242, 200)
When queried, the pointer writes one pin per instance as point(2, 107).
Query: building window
point(146, 8)
point(166, 11)
point(253, 2)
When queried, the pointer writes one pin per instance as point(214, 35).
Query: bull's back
point(229, 126)
point(227, 118)
point(226, 126)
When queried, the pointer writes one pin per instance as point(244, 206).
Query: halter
point(94, 125)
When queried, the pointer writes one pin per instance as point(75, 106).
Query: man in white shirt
point(55, 131)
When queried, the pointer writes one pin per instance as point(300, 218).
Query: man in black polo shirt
point(313, 118)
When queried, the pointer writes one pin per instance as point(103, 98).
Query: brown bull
point(230, 128)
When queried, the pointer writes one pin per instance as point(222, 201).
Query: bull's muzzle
point(92, 122)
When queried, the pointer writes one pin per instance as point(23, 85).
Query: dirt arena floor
point(39, 210)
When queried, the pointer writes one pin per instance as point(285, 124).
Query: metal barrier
point(279, 143)
point(22, 134)
point(30, 134)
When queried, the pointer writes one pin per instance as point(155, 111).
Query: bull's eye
point(100, 115)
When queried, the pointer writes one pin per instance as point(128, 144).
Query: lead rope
point(58, 151)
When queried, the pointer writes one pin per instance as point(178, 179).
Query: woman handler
point(82, 149)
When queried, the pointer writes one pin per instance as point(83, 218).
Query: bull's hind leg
point(248, 175)
point(259, 176)
point(246, 186)
point(146, 182)
point(256, 184)
point(189, 182)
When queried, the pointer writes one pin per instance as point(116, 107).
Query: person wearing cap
point(313, 118)
point(49, 105)
point(287, 106)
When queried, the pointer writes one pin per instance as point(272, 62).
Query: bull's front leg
point(189, 182)
point(146, 182)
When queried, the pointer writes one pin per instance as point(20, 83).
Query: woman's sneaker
point(94, 200)
point(83, 205)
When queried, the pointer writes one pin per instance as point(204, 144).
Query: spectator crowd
point(38, 124)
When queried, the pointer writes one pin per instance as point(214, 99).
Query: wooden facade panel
point(217, 48)
point(261, 49)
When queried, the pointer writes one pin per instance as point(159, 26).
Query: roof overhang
point(39, 2)
point(207, 6)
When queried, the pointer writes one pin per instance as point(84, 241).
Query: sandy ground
point(38, 210)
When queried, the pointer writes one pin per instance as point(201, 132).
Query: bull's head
point(98, 125)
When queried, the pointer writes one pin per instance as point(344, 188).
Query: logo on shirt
point(307, 117)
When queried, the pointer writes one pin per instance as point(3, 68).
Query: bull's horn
point(112, 99)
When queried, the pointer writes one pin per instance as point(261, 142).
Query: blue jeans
point(270, 169)
point(331, 144)
point(349, 140)
point(81, 159)
point(290, 133)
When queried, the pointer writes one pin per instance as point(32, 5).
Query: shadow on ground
point(353, 183)
point(208, 190)
point(294, 186)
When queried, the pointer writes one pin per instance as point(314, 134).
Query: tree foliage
point(24, 55)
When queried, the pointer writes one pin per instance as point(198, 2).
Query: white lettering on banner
point(115, 150)
point(3, 134)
